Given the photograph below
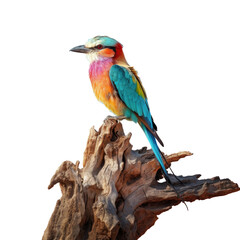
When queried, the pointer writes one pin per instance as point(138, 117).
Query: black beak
point(80, 49)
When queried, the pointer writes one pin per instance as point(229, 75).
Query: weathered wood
point(116, 194)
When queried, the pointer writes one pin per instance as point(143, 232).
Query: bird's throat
point(100, 68)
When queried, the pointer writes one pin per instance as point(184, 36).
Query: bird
point(117, 85)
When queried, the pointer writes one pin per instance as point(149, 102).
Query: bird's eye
point(99, 46)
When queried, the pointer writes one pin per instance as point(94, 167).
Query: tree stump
point(116, 195)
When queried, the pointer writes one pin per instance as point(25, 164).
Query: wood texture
point(117, 195)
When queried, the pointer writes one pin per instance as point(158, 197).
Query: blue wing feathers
point(122, 79)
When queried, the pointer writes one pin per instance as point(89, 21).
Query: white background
point(188, 56)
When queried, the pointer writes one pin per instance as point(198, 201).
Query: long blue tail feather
point(156, 151)
point(160, 157)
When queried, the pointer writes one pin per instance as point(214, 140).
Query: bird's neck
point(119, 57)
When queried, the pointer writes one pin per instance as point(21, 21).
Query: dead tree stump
point(116, 194)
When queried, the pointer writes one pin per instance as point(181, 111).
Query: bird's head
point(101, 47)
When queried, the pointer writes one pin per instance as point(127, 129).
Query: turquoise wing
point(130, 91)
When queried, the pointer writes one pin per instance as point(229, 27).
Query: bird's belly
point(105, 93)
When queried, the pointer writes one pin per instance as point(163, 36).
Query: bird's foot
point(117, 118)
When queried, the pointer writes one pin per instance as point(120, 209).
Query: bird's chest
point(99, 76)
point(102, 85)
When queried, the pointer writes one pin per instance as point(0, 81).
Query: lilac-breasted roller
point(118, 87)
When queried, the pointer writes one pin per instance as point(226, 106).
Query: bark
point(117, 195)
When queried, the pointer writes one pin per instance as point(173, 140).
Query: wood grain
point(117, 195)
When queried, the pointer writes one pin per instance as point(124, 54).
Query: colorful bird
point(118, 87)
